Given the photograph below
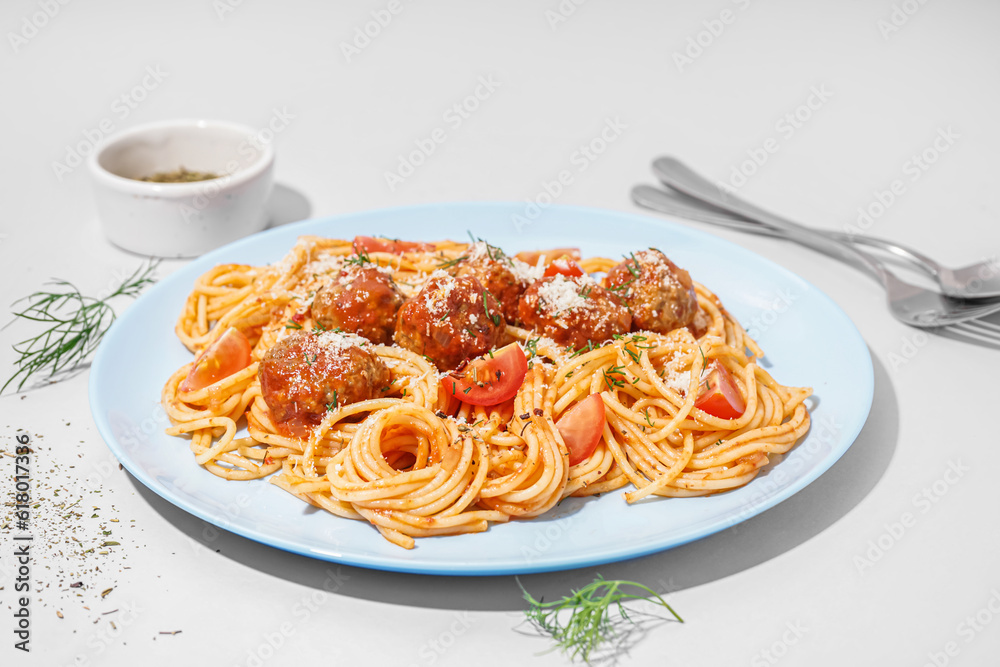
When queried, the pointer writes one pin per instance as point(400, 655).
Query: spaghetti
point(415, 460)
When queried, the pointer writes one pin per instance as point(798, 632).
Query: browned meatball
point(573, 311)
point(659, 293)
point(450, 320)
point(494, 270)
point(360, 300)
point(306, 374)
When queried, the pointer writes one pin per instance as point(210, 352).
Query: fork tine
point(985, 324)
point(986, 332)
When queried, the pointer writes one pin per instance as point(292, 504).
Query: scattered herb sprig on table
point(588, 622)
point(75, 325)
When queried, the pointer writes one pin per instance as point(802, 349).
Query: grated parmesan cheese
point(678, 381)
point(478, 250)
point(526, 273)
point(660, 268)
point(327, 264)
point(348, 274)
point(338, 341)
point(561, 294)
point(437, 299)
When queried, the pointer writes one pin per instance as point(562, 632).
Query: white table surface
point(830, 577)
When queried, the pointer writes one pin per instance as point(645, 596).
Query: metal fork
point(908, 303)
point(975, 281)
point(984, 332)
point(674, 204)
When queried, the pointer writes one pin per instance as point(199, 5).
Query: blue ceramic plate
point(808, 341)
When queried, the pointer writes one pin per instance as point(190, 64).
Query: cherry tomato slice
point(532, 256)
point(564, 266)
point(371, 244)
point(491, 379)
point(720, 397)
point(229, 354)
point(581, 428)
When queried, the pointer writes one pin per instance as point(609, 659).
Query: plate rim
point(197, 266)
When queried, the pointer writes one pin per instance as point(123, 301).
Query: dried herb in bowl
point(181, 175)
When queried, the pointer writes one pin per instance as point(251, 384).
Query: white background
point(830, 563)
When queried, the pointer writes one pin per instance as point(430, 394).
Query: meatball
point(360, 300)
point(306, 374)
point(494, 270)
point(659, 293)
point(573, 311)
point(450, 320)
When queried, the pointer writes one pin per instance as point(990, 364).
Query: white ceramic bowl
point(182, 219)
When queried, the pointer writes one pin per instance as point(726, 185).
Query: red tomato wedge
point(720, 397)
point(229, 354)
point(371, 244)
point(490, 379)
point(564, 266)
point(532, 256)
point(581, 428)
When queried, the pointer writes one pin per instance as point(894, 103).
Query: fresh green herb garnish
point(452, 262)
point(633, 354)
point(632, 267)
point(588, 623)
point(292, 324)
point(622, 287)
point(612, 382)
point(493, 252)
point(495, 317)
point(360, 259)
point(75, 325)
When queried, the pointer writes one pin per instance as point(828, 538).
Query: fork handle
point(679, 176)
point(667, 201)
point(656, 199)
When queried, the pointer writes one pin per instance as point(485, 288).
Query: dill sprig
point(609, 377)
point(361, 258)
point(588, 623)
point(75, 325)
point(447, 264)
point(494, 317)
